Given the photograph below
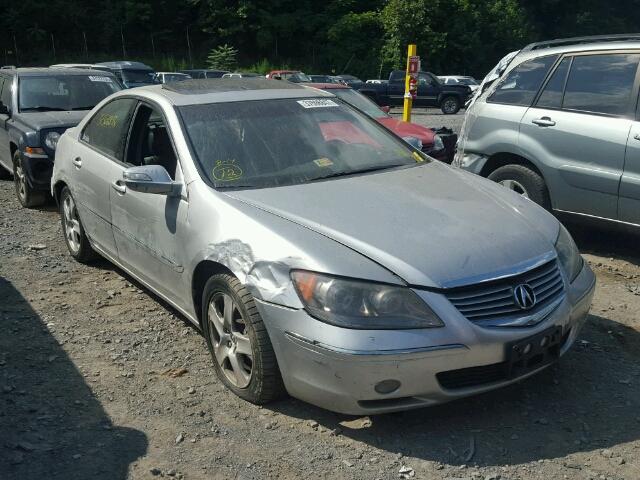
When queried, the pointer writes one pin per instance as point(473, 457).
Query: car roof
point(582, 44)
point(46, 71)
point(222, 90)
point(327, 86)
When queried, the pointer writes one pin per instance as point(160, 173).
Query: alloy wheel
point(515, 186)
point(71, 223)
point(230, 340)
point(21, 182)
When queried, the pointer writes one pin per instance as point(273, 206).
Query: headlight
point(362, 305)
point(51, 140)
point(568, 254)
point(438, 144)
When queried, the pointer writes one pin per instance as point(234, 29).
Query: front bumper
point(338, 369)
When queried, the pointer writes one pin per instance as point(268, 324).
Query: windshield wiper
point(43, 109)
point(364, 170)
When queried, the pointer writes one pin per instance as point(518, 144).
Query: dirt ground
point(101, 380)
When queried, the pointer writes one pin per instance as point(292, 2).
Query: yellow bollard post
point(408, 101)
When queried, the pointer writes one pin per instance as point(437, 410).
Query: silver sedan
point(319, 254)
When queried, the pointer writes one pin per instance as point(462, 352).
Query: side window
point(521, 84)
point(150, 143)
point(107, 130)
point(425, 80)
point(5, 96)
point(601, 83)
point(551, 96)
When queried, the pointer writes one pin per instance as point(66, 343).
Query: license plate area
point(533, 352)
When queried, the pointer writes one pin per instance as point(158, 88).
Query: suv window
point(150, 143)
point(5, 96)
point(551, 96)
point(107, 130)
point(523, 82)
point(601, 83)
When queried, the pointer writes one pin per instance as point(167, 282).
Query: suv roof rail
point(575, 40)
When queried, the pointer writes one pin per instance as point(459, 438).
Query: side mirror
point(414, 142)
point(386, 109)
point(4, 110)
point(151, 179)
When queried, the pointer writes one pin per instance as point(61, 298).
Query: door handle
point(77, 162)
point(543, 122)
point(119, 187)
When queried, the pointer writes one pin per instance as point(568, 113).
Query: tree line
point(367, 38)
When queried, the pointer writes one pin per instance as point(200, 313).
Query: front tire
point(525, 181)
point(27, 196)
point(73, 231)
point(240, 347)
point(450, 105)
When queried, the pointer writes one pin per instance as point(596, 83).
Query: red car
point(432, 144)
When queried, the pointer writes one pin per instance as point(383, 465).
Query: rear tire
point(27, 196)
point(240, 347)
point(450, 105)
point(73, 231)
point(525, 181)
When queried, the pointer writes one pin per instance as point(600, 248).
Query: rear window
point(64, 92)
point(522, 83)
point(601, 83)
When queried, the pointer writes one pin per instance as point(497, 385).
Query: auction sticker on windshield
point(95, 78)
point(321, 103)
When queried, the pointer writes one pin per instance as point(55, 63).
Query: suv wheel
point(450, 105)
point(238, 341)
point(523, 180)
point(74, 236)
point(27, 197)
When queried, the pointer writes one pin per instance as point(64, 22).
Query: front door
point(97, 165)
point(427, 95)
point(149, 228)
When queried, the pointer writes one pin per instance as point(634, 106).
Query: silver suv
point(558, 123)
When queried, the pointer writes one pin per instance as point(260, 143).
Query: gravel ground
point(101, 380)
point(433, 117)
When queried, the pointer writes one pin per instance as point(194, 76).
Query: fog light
point(527, 348)
point(544, 341)
point(387, 386)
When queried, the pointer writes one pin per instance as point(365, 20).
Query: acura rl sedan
point(319, 254)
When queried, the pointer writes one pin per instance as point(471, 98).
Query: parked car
point(431, 92)
point(36, 106)
point(130, 74)
point(294, 76)
point(323, 79)
point(241, 75)
point(350, 80)
point(202, 73)
point(552, 129)
point(358, 275)
point(430, 143)
point(471, 82)
point(165, 77)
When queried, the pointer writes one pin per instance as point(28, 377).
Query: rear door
point(5, 98)
point(629, 199)
point(98, 165)
point(578, 129)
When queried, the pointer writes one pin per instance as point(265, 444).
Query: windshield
point(64, 92)
point(359, 101)
point(297, 77)
point(137, 76)
point(269, 143)
point(175, 77)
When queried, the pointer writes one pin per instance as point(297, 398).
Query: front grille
point(482, 303)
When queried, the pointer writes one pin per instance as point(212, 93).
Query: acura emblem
point(524, 296)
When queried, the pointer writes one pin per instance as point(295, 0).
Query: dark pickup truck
point(431, 92)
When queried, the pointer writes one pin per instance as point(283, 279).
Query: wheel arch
point(57, 190)
point(203, 271)
point(502, 159)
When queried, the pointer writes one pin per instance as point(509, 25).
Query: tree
point(223, 57)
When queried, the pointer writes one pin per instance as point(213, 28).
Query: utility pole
point(53, 47)
point(189, 47)
point(124, 50)
point(15, 49)
point(86, 48)
point(153, 47)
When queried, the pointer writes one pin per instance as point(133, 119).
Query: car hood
point(431, 225)
point(406, 129)
point(40, 120)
